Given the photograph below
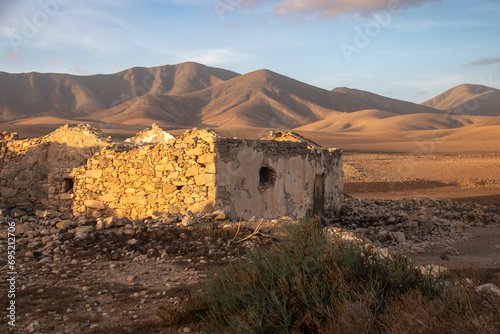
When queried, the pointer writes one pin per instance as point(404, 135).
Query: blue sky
point(406, 49)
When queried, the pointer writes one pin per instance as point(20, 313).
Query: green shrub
point(309, 284)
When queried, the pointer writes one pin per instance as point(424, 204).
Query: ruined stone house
point(76, 172)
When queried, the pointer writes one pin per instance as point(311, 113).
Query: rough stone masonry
point(76, 172)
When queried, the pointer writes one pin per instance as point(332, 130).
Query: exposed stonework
point(137, 181)
point(291, 136)
point(37, 173)
point(8, 135)
point(155, 135)
point(199, 171)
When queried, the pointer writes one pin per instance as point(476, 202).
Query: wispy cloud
point(333, 8)
point(78, 70)
point(484, 61)
point(215, 57)
point(13, 55)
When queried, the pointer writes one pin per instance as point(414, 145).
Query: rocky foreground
point(111, 274)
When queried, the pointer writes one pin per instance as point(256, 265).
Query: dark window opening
point(67, 185)
point(267, 177)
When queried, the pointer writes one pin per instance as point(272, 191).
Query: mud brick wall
point(136, 181)
point(35, 174)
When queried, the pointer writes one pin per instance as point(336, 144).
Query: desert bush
point(309, 283)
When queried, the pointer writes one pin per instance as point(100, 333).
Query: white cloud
point(7, 32)
point(215, 57)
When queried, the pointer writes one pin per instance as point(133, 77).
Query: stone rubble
point(158, 253)
point(408, 225)
point(413, 225)
point(155, 135)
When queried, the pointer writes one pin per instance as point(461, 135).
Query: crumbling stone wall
point(36, 174)
point(137, 181)
point(268, 178)
point(75, 172)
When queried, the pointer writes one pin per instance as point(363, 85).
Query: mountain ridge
point(467, 99)
point(195, 95)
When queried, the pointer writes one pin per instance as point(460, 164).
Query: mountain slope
point(347, 121)
point(191, 94)
point(385, 103)
point(257, 99)
point(267, 99)
point(380, 121)
point(468, 99)
point(63, 95)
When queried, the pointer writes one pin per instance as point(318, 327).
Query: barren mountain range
point(191, 94)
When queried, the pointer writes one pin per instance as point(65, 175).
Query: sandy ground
point(472, 177)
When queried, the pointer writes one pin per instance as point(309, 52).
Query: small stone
point(399, 236)
point(33, 327)
point(489, 288)
point(4, 213)
point(129, 231)
point(67, 235)
point(85, 229)
point(444, 257)
point(219, 215)
point(187, 221)
point(130, 278)
point(99, 225)
point(64, 225)
point(16, 213)
point(132, 242)
point(109, 222)
point(157, 214)
point(81, 236)
point(22, 229)
point(451, 251)
point(186, 330)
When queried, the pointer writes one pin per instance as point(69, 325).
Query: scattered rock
point(85, 229)
point(67, 235)
point(219, 215)
point(64, 225)
point(132, 242)
point(451, 251)
point(33, 327)
point(16, 213)
point(490, 289)
point(399, 236)
point(187, 221)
